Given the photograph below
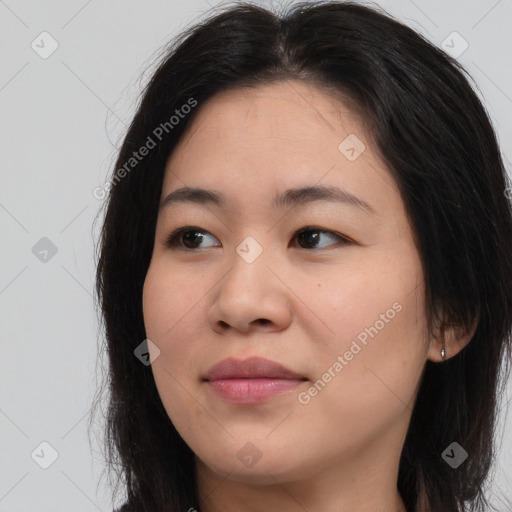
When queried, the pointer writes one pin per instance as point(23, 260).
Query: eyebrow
point(290, 197)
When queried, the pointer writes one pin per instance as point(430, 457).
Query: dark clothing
point(124, 508)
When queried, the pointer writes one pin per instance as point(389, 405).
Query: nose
point(251, 296)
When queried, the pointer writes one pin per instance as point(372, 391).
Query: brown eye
point(186, 238)
point(312, 236)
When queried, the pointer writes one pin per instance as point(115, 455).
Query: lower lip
point(251, 391)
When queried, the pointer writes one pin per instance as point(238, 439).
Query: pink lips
point(250, 381)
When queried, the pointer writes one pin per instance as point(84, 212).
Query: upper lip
point(251, 368)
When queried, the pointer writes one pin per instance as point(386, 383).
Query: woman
point(305, 272)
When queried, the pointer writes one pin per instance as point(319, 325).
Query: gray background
point(62, 118)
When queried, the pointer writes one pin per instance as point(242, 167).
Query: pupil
point(189, 235)
point(311, 236)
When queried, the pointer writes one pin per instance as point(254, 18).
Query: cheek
point(375, 383)
point(155, 295)
point(174, 314)
point(376, 315)
point(167, 302)
point(168, 310)
point(368, 299)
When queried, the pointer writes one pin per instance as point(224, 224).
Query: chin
point(272, 468)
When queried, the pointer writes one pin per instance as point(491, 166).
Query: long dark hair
point(432, 132)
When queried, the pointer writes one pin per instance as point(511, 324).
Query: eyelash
point(173, 240)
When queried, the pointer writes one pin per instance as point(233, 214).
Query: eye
point(189, 237)
point(186, 238)
point(312, 234)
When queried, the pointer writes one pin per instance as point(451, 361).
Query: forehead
point(270, 137)
point(287, 112)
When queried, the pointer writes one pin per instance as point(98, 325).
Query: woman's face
point(341, 305)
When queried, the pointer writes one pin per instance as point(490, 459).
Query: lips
point(251, 381)
point(251, 368)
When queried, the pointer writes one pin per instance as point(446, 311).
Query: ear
point(452, 336)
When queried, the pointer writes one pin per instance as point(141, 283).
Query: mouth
point(251, 380)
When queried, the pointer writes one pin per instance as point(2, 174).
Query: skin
point(298, 303)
